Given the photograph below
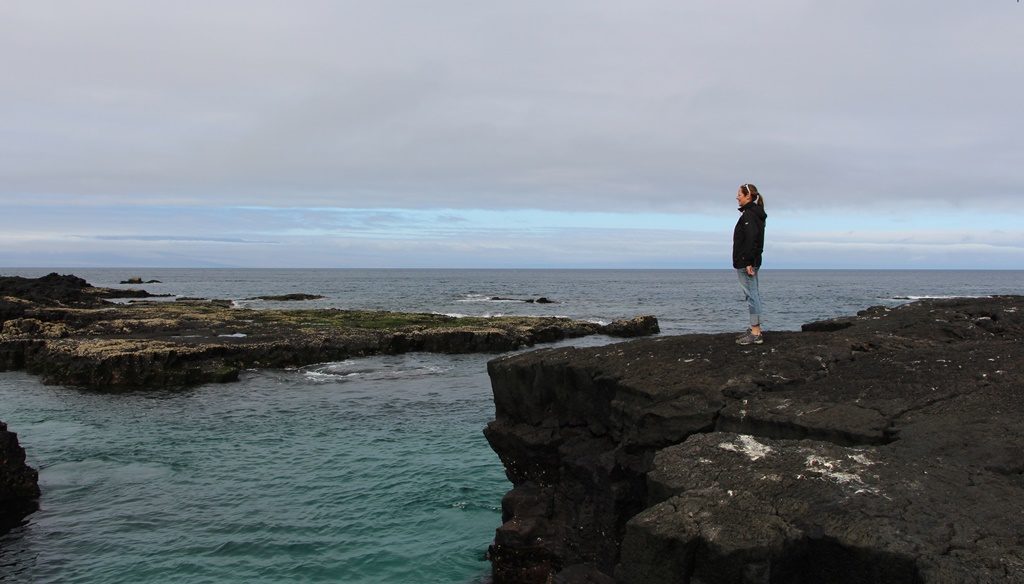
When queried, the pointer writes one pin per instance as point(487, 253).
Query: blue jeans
point(749, 286)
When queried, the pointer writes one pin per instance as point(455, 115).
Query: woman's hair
point(751, 190)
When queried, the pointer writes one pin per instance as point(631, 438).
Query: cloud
point(318, 237)
point(171, 238)
point(654, 106)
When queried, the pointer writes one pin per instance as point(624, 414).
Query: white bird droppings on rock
point(747, 445)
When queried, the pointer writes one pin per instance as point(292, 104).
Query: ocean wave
point(452, 314)
point(486, 299)
point(937, 297)
point(369, 369)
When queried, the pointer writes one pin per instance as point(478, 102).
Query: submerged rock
point(878, 448)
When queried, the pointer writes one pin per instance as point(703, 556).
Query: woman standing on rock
point(747, 245)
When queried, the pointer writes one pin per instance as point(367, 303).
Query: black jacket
point(748, 237)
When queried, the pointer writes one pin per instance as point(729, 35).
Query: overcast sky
point(573, 133)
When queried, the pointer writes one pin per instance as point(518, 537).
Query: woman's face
point(741, 197)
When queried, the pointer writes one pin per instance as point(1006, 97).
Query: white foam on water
point(486, 299)
point(939, 297)
point(370, 369)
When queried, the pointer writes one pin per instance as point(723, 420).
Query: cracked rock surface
point(884, 447)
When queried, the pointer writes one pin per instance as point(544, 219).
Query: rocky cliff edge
point(19, 483)
point(884, 447)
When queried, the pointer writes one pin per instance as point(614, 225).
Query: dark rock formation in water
point(289, 297)
point(62, 329)
point(19, 483)
point(884, 447)
point(541, 300)
point(19, 295)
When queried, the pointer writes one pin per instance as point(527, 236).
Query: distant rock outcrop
point(541, 300)
point(881, 448)
point(288, 297)
point(19, 295)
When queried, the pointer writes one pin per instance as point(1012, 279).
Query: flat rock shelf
point(66, 331)
point(882, 447)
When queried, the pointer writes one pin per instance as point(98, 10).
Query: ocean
point(369, 470)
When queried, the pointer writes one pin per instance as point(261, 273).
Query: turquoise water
point(368, 470)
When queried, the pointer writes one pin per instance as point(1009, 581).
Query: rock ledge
point(65, 330)
point(883, 447)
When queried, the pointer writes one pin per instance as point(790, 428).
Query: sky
point(527, 134)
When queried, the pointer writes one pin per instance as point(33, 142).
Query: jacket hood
point(757, 209)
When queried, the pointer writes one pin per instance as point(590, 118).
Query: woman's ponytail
point(752, 191)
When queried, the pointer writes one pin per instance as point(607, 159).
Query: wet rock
point(288, 297)
point(884, 448)
point(19, 483)
point(214, 302)
point(541, 300)
point(640, 326)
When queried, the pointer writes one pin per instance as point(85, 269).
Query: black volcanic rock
point(19, 483)
point(289, 297)
point(640, 326)
point(20, 295)
point(541, 300)
point(50, 289)
point(882, 448)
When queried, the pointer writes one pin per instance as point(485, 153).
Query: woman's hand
point(750, 271)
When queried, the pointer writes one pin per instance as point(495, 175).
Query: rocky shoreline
point(66, 331)
point(883, 447)
point(63, 329)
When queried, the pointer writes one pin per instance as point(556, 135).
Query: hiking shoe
point(750, 339)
